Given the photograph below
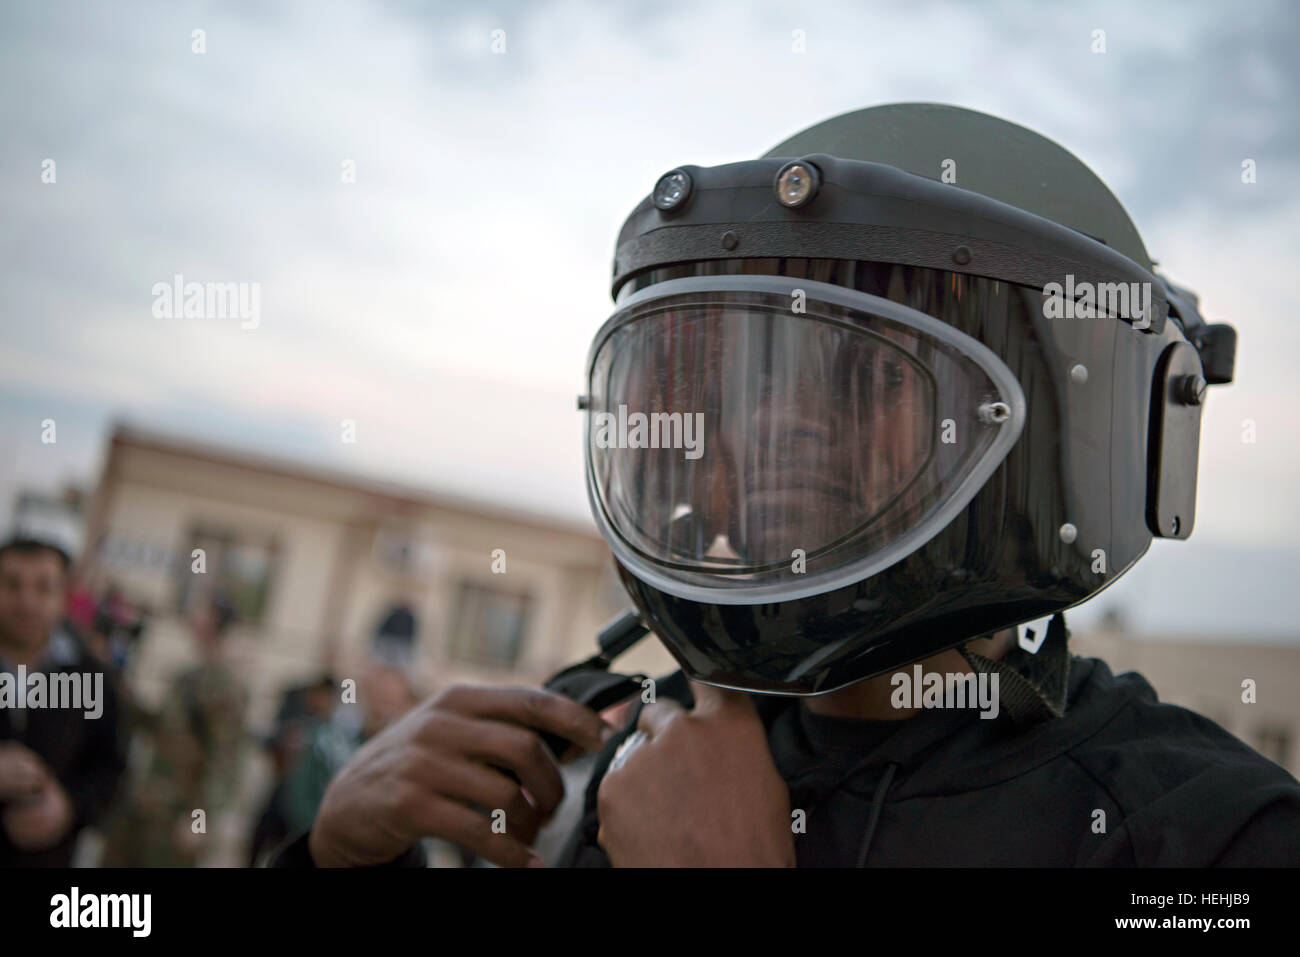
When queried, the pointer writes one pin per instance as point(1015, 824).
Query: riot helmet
point(905, 381)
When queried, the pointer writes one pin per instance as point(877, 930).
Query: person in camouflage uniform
point(198, 744)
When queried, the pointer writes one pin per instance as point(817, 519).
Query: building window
point(238, 565)
point(489, 625)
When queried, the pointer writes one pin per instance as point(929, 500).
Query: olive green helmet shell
point(999, 159)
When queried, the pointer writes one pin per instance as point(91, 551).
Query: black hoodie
point(1120, 780)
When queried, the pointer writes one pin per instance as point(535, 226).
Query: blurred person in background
point(303, 709)
point(197, 752)
point(397, 635)
point(59, 766)
point(119, 625)
point(383, 694)
point(81, 605)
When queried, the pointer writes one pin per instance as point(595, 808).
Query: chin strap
point(1031, 687)
point(591, 682)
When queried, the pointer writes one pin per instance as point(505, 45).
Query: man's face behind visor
point(842, 433)
point(807, 431)
point(814, 436)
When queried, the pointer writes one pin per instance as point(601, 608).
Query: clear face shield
point(757, 439)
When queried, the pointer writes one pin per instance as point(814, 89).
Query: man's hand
point(700, 791)
point(22, 772)
point(37, 813)
point(184, 839)
point(440, 772)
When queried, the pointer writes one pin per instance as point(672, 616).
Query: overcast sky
point(445, 301)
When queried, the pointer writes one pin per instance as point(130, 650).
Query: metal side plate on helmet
point(1175, 437)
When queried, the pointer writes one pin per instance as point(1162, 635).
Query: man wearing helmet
point(909, 452)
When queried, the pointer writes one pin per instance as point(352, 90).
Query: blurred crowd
point(149, 786)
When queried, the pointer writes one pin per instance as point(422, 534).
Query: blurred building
point(318, 564)
point(1207, 676)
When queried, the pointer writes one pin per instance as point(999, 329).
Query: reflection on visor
point(776, 447)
